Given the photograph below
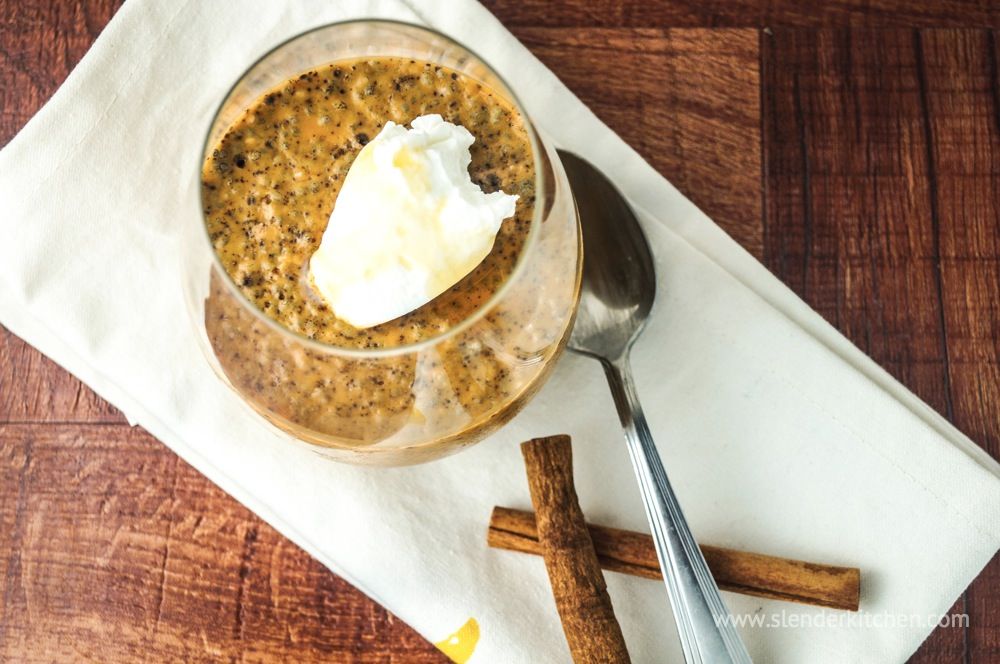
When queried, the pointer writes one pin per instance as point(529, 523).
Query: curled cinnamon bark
point(741, 572)
point(588, 619)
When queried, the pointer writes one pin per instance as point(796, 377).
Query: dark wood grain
point(661, 91)
point(116, 551)
point(878, 155)
point(746, 13)
point(36, 389)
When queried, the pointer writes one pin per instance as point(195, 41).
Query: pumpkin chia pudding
point(268, 189)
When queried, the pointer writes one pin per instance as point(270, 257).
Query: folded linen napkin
point(779, 435)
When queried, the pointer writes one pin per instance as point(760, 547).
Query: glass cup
point(411, 403)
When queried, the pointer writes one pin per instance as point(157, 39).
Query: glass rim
point(520, 266)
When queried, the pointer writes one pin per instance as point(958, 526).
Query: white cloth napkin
point(779, 435)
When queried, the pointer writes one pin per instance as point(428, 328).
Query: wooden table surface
point(853, 147)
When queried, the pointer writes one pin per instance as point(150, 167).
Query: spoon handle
point(707, 633)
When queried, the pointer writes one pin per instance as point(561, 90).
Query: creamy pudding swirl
point(408, 223)
point(272, 182)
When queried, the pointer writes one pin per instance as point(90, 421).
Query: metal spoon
point(619, 284)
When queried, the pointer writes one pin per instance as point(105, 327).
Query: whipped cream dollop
point(408, 223)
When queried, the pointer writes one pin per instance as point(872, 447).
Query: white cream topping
point(408, 223)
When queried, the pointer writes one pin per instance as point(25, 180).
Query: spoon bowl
point(616, 295)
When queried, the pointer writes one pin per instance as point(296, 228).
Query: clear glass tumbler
point(411, 403)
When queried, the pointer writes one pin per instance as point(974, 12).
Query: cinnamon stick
point(737, 571)
point(588, 620)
